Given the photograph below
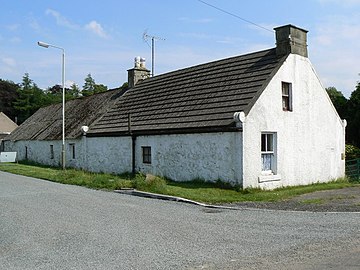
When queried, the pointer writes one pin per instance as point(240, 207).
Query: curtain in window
point(266, 160)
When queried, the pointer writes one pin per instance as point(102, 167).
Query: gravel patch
point(337, 200)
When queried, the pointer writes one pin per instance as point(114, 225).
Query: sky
point(102, 38)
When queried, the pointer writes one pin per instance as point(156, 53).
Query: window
point(146, 154)
point(72, 150)
point(51, 151)
point(286, 96)
point(268, 153)
point(26, 152)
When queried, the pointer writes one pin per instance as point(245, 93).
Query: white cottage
point(257, 120)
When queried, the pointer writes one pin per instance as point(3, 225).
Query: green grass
point(197, 190)
point(71, 176)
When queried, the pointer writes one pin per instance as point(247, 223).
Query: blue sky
point(103, 37)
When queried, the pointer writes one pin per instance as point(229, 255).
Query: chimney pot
point(138, 73)
point(137, 61)
point(142, 62)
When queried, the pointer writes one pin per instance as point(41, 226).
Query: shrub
point(149, 183)
point(352, 152)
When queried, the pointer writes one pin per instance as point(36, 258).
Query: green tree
point(100, 88)
point(74, 91)
point(353, 128)
point(90, 87)
point(30, 98)
point(8, 95)
point(339, 101)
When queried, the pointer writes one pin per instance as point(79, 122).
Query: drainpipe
point(133, 145)
point(84, 130)
point(239, 148)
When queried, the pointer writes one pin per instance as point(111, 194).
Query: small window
point(26, 152)
point(268, 152)
point(72, 150)
point(51, 151)
point(146, 154)
point(286, 96)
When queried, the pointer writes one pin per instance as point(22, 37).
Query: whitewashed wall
point(310, 139)
point(208, 156)
point(107, 154)
point(39, 151)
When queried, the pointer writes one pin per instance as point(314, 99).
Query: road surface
point(45, 225)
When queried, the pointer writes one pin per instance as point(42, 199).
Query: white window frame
point(268, 151)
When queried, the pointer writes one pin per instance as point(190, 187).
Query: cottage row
point(257, 120)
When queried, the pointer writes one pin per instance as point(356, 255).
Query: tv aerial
point(146, 38)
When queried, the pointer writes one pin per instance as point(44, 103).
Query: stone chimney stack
point(291, 39)
point(138, 73)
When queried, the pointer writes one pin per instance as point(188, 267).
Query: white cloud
point(13, 27)
point(189, 20)
point(61, 20)
point(334, 50)
point(96, 28)
point(15, 40)
point(33, 23)
point(10, 62)
point(346, 3)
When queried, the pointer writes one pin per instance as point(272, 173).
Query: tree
point(339, 101)
point(8, 95)
point(30, 99)
point(353, 128)
point(74, 91)
point(100, 88)
point(90, 87)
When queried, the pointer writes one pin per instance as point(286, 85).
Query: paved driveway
point(45, 225)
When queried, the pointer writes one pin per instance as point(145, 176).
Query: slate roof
point(199, 98)
point(6, 124)
point(46, 123)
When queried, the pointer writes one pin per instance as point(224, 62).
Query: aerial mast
point(146, 37)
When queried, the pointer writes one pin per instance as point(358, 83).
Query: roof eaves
point(265, 84)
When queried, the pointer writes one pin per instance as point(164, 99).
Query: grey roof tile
point(203, 96)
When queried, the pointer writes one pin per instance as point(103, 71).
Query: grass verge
point(195, 190)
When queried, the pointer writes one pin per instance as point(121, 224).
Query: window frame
point(286, 96)
point(268, 151)
point(146, 154)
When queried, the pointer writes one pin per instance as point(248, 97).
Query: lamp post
point(45, 45)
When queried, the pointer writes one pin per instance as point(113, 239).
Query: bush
point(352, 152)
point(150, 183)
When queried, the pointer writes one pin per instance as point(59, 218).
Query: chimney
point(138, 73)
point(291, 39)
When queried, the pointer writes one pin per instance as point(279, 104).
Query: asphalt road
point(45, 225)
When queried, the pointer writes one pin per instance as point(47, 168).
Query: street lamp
point(45, 45)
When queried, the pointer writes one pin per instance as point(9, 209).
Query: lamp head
point(43, 44)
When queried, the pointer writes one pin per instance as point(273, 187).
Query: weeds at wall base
point(198, 190)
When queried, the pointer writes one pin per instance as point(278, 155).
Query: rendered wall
point(310, 139)
point(107, 154)
point(208, 156)
point(39, 151)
